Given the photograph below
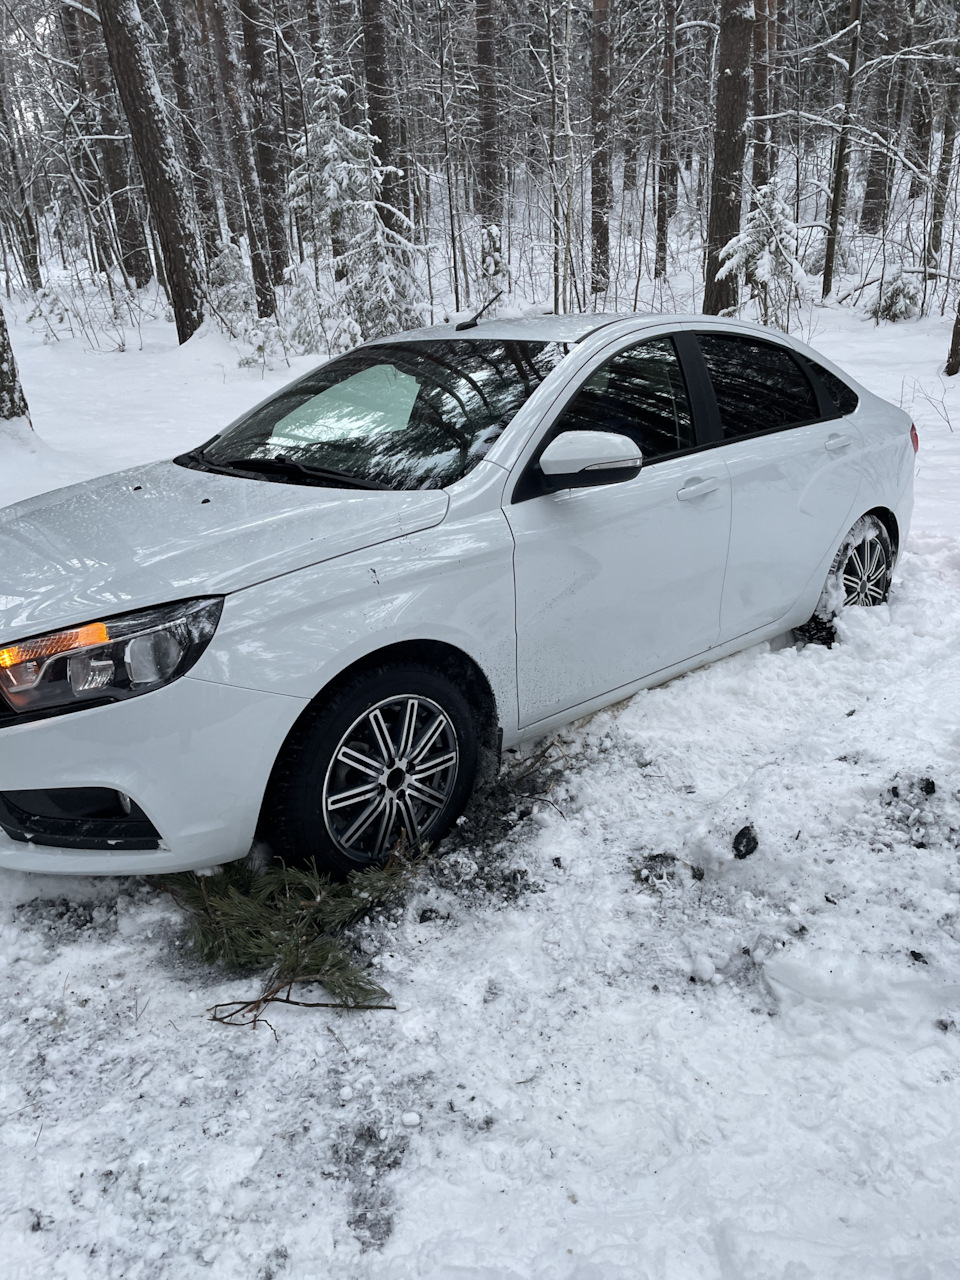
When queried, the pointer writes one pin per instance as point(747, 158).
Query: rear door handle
point(835, 441)
point(698, 489)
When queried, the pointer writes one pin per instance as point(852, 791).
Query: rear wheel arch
point(889, 522)
point(860, 573)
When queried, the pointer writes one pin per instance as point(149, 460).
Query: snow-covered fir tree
point(896, 296)
point(765, 255)
point(337, 187)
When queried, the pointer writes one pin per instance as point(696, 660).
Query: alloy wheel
point(865, 573)
point(390, 777)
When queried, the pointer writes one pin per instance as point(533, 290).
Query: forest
point(306, 176)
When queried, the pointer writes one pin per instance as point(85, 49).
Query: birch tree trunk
point(13, 403)
point(941, 183)
point(730, 141)
point(163, 178)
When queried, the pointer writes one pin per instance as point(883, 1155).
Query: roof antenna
point(472, 322)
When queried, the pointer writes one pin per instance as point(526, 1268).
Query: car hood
point(163, 532)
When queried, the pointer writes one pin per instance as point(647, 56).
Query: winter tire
point(859, 575)
point(386, 762)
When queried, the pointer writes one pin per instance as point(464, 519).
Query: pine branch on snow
point(287, 921)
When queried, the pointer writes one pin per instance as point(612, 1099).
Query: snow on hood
point(164, 532)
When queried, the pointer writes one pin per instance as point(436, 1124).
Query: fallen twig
point(246, 1013)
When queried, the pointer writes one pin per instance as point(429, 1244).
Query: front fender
point(452, 583)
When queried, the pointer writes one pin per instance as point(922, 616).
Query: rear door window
point(640, 393)
point(759, 386)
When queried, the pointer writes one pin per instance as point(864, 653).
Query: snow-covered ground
point(618, 1053)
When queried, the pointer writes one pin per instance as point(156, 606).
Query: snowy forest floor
point(602, 1065)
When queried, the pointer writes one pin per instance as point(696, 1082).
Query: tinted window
point(641, 393)
point(759, 387)
point(844, 397)
point(414, 415)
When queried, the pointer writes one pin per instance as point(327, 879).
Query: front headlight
point(105, 661)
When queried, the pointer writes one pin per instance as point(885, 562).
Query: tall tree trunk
point(889, 121)
point(667, 168)
point(163, 179)
point(221, 127)
point(13, 403)
point(20, 209)
point(84, 166)
point(114, 160)
point(941, 185)
point(234, 90)
point(876, 190)
point(380, 107)
point(839, 189)
point(489, 179)
point(265, 96)
point(201, 173)
point(764, 52)
point(953, 356)
point(600, 161)
point(919, 134)
point(730, 140)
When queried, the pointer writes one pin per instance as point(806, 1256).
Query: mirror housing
point(582, 459)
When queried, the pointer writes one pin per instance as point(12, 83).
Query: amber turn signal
point(85, 637)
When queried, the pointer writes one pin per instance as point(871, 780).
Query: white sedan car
point(316, 628)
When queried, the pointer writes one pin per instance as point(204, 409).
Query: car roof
point(574, 328)
point(542, 328)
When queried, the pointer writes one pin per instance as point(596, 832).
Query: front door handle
point(698, 489)
point(836, 441)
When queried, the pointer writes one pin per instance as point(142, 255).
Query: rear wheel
point(860, 575)
point(387, 762)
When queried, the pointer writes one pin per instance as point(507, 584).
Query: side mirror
point(581, 459)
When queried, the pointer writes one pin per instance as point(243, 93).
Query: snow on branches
point(337, 186)
point(765, 255)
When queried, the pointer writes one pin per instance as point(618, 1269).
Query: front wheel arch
point(443, 660)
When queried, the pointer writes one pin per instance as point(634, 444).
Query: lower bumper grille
point(77, 818)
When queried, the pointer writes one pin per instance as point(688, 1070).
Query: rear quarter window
point(844, 397)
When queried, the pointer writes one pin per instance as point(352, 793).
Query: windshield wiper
point(287, 466)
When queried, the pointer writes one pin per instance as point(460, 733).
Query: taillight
point(914, 438)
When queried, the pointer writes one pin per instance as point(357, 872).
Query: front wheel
point(860, 575)
point(385, 763)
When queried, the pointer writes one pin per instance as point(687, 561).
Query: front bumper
point(195, 756)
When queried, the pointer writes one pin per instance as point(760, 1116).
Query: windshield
point(415, 415)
